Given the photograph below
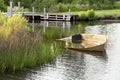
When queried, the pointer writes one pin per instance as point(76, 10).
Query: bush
point(91, 14)
point(82, 16)
point(2, 5)
point(12, 24)
point(74, 7)
point(62, 7)
point(87, 15)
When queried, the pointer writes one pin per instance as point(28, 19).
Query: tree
point(40, 4)
point(25, 3)
point(2, 5)
point(6, 2)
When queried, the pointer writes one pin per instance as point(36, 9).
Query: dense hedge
point(88, 15)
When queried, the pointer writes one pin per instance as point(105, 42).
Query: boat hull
point(91, 42)
point(96, 48)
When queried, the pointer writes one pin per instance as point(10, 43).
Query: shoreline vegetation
point(103, 10)
point(20, 47)
point(99, 14)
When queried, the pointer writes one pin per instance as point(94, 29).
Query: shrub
point(12, 24)
point(2, 5)
point(91, 14)
point(74, 7)
point(82, 16)
point(62, 7)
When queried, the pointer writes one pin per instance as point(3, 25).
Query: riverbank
point(18, 52)
point(104, 14)
point(21, 47)
point(108, 14)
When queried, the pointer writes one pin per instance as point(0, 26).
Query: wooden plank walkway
point(50, 17)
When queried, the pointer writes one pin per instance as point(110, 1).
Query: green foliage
point(52, 34)
point(117, 4)
point(91, 14)
point(6, 2)
point(64, 5)
point(2, 5)
point(40, 4)
point(83, 16)
point(87, 15)
point(9, 25)
point(2, 18)
point(19, 48)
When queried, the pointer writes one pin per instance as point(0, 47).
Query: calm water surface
point(73, 65)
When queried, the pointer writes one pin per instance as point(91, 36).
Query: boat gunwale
point(87, 48)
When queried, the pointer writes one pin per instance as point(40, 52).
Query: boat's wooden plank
point(91, 42)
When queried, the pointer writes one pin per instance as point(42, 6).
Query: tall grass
point(2, 19)
point(51, 34)
point(19, 47)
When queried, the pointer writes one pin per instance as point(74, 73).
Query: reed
point(52, 34)
point(21, 48)
point(2, 18)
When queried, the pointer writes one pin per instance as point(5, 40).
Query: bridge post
point(63, 16)
point(44, 12)
point(56, 17)
point(10, 10)
point(69, 10)
point(33, 10)
point(47, 16)
point(69, 16)
point(18, 6)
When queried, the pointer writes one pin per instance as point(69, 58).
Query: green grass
point(20, 48)
point(114, 12)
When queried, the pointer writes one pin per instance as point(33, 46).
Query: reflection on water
point(74, 65)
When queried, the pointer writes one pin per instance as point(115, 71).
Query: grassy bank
point(114, 12)
point(20, 47)
point(104, 14)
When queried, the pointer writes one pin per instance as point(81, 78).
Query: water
point(73, 65)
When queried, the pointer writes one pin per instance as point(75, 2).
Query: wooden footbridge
point(42, 16)
point(50, 16)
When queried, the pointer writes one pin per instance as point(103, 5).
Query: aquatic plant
point(52, 34)
point(20, 47)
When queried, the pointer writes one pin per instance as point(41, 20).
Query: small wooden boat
point(90, 42)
